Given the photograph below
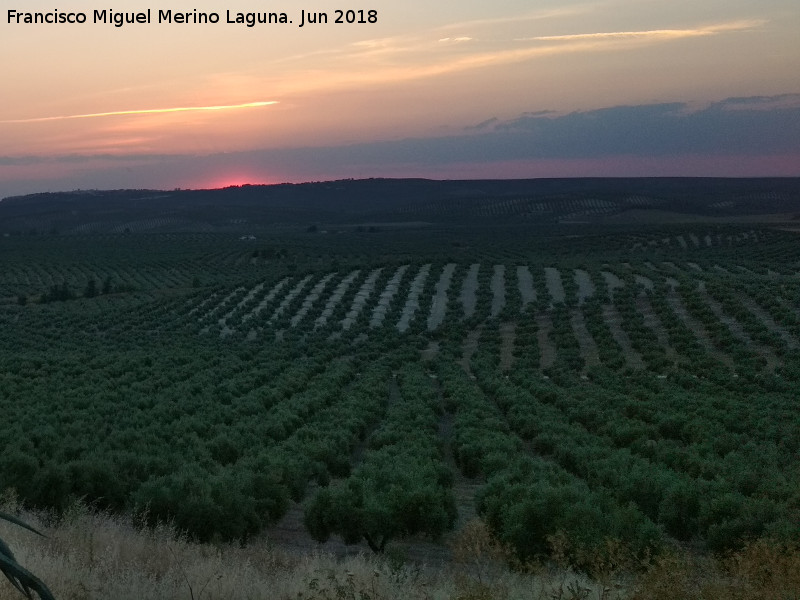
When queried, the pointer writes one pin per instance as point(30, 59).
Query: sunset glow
point(445, 89)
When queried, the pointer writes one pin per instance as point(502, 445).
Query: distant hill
point(534, 201)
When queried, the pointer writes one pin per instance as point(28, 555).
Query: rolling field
point(590, 368)
point(615, 385)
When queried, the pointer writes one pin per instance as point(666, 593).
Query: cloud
point(651, 130)
point(458, 48)
point(539, 15)
point(746, 131)
point(759, 103)
point(651, 34)
point(149, 111)
point(482, 124)
point(758, 125)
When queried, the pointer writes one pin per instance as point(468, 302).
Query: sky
point(446, 89)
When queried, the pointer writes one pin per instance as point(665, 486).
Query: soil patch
point(498, 287)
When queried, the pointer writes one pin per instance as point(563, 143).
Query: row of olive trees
point(402, 486)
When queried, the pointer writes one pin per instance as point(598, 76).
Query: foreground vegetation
point(93, 555)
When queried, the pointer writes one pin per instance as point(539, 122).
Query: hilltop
point(402, 201)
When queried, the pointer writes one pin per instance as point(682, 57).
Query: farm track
point(507, 337)
point(412, 300)
point(547, 350)
point(468, 296)
point(276, 289)
point(335, 298)
point(498, 287)
point(249, 296)
point(310, 299)
point(468, 347)
point(464, 489)
point(439, 302)
point(222, 303)
point(586, 288)
point(293, 293)
point(386, 297)
point(361, 298)
point(203, 303)
point(525, 283)
point(554, 285)
point(613, 283)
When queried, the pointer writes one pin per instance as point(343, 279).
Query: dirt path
point(335, 298)
point(266, 300)
point(379, 312)
point(612, 283)
point(468, 348)
point(498, 287)
point(547, 351)
point(310, 299)
point(614, 322)
point(249, 296)
point(203, 303)
point(469, 290)
point(439, 303)
point(507, 337)
point(554, 285)
point(588, 347)
point(360, 300)
point(526, 289)
point(464, 489)
point(293, 293)
point(221, 303)
point(412, 300)
point(585, 286)
point(221, 321)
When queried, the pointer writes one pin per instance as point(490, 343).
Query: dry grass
point(89, 555)
point(763, 570)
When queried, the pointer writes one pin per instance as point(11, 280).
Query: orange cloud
point(149, 111)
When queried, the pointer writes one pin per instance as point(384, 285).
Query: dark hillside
point(534, 201)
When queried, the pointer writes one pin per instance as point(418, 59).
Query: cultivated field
point(382, 389)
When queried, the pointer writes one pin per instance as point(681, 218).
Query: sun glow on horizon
point(219, 182)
